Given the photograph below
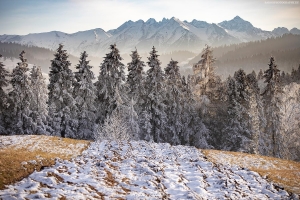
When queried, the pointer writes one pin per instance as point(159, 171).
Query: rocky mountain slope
point(166, 35)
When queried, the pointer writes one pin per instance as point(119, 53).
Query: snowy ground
point(21, 155)
point(141, 170)
point(284, 173)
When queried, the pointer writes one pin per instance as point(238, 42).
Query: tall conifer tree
point(272, 102)
point(135, 79)
point(38, 103)
point(85, 95)
point(154, 99)
point(109, 83)
point(62, 106)
point(3, 97)
point(20, 96)
point(173, 101)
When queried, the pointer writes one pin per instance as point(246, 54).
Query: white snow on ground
point(283, 173)
point(141, 170)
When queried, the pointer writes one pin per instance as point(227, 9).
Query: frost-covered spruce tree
point(236, 135)
point(194, 132)
point(208, 91)
point(135, 79)
point(155, 96)
point(62, 105)
point(298, 75)
point(256, 120)
point(121, 124)
point(189, 113)
point(241, 85)
point(109, 81)
point(260, 75)
point(3, 97)
point(272, 141)
point(173, 101)
point(245, 113)
point(133, 121)
point(294, 75)
point(290, 110)
point(242, 99)
point(85, 95)
point(145, 126)
point(38, 103)
point(20, 96)
point(204, 75)
point(252, 118)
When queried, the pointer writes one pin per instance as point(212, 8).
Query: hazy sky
point(34, 16)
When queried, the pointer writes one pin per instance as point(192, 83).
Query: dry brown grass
point(109, 179)
point(126, 190)
point(126, 180)
point(284, 173)
point(100, 195)
point(19, 161)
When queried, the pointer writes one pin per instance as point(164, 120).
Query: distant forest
point(253, 55)
point(38, 56)
point(229, 58)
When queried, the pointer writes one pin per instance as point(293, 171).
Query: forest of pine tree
point(250, 55)
point(253, 113)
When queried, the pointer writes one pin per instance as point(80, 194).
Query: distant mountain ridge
point(255, 55)
point(166, 35)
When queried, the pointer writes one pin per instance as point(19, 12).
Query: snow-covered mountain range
point(166, 35)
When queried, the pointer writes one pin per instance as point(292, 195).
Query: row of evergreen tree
point(157, 105)
point(249, 112)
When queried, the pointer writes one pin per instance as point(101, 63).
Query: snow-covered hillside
point(142, 170)
point(244, 31)
point(166, 35)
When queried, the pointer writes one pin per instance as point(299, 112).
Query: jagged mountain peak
point(174, 18)
point(280, 31)
point(199, 24)
point(124, 26)
point(151, 21)
point(178, 21)
point(169, 34)
point(295, 31)
point(98, 30)
point(237, 24)
point(238, 18)
point(164, 20)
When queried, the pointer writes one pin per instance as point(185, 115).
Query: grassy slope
point(21, 155)
point(284, 173)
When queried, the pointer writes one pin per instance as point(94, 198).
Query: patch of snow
point(142, 170)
